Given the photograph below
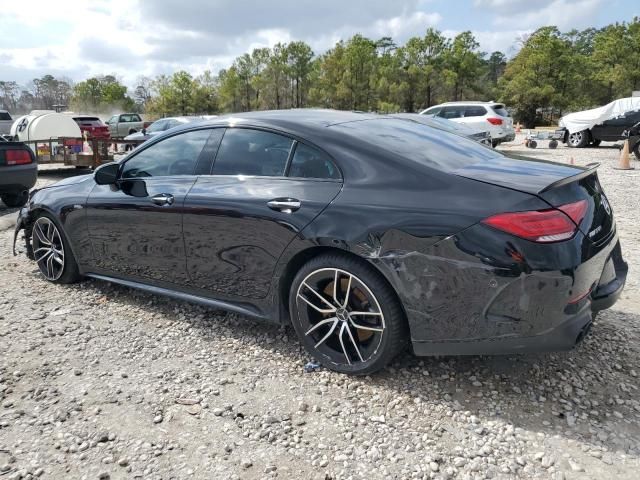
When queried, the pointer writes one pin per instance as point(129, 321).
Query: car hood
point(519, 173)
point(137, 136)
point(69, 181)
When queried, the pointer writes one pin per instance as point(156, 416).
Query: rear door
point(264, 188)
point(474, 116)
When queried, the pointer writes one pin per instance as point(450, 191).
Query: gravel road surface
point(104, 382)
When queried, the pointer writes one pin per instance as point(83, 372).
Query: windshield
point(428, 146)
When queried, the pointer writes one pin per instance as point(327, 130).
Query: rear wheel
point(578, 139)
point(346, 315)
point(595, 143)
point(14, 200)
point(52, 253)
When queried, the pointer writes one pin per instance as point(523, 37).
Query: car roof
point(468, 102)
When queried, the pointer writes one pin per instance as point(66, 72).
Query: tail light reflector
point(17, 157)
point(494, 121)
point(542, 226)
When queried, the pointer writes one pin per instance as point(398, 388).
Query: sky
point(128, 38)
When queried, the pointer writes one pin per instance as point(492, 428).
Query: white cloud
point(525, 14)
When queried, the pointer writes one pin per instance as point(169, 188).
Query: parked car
point(160, 126)
point(94, 127)
point(608, 123)
point(125, 124)
point(482, 115)
point(365, 232)
point(475, 134)
point(18, 172)
point(5, 122)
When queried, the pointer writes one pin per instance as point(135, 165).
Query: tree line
point(553, 72)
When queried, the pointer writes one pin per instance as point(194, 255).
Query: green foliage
point(101, 94)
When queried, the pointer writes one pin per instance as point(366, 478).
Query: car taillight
point(17, 157)
point(494, 121)
point(543, 226)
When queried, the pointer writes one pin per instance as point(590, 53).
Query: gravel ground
point(99, 381)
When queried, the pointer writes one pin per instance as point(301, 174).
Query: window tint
point(309, 162)
point(474, 111)
point(451, 112)
point(432, 111)
point(427, 146)
point(175, 155)
point(157, 126)
point(500, 110)
point(252, 152)
point(5, 116)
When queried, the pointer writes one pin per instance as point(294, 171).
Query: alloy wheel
point(340, 315)
point(575, 139)
point(48, 248)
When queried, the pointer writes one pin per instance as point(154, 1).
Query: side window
point(175, 155)
point(124, 118)
point(451, 112)
point(432, 111)
point(245, 151)
point(113, 119)
point(157, 126)
point(309, 162)
point(474, 111)
point(135, 118)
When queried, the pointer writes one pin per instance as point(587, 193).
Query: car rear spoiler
point(590, 168)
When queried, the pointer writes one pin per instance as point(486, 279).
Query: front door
point(136, 226)
point(265, 188)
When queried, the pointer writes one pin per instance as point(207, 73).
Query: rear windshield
point(423, 144)
point(88, 120)
point(5, 116)
point(500, 110)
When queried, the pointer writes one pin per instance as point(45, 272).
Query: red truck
point(94, 127)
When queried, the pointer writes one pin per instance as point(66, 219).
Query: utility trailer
point(532, 138)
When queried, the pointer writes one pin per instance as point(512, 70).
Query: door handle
point(162, 199)
point(285, 205)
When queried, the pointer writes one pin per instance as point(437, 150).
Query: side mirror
point(107, 174)
point(144, 131)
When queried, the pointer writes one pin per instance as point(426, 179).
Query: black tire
point(553, 144)
point(380, 326)
point(595, 143)
point(69, 267)
point(14, 200)
point(532, 144)
point(578, 139)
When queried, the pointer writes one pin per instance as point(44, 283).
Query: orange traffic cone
point(624, 163)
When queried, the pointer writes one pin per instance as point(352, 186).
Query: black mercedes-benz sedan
point(364, 232)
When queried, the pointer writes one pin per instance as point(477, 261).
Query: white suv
point(486, 115)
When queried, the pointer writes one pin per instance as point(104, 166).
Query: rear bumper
point(532, 312)
point(17, 178)
point(563, 337)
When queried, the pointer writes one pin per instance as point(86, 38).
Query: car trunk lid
point(555, 183)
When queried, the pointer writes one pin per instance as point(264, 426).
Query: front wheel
point(346, 315)
point(578, 139)
point(52, 253)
